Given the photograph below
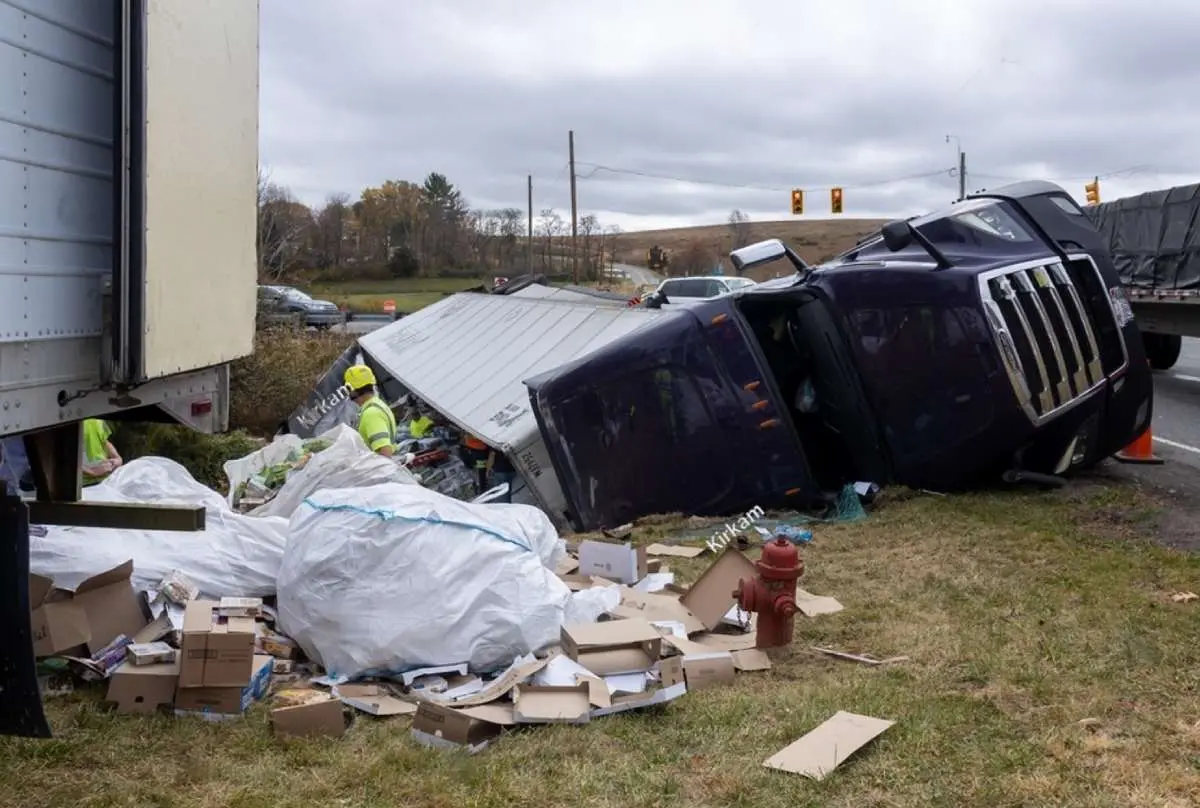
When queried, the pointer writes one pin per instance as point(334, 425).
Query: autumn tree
point(284, 226)
point(331, 226)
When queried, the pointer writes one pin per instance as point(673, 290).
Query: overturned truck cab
point(989, 340)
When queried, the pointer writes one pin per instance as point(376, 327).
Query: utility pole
point(962, 175)
point(962, 167)
point(529, 243)
point(574, 209)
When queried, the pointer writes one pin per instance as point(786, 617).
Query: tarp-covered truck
point(128, 176)
point(1155, 243)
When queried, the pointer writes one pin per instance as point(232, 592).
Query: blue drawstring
point(388, 515)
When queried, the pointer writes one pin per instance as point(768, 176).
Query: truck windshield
point(987, 226)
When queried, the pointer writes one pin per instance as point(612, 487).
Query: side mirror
point(897, 235)
point(764, 252)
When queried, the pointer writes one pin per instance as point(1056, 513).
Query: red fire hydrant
point(773, 593)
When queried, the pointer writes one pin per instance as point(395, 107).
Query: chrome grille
point(1046, 336)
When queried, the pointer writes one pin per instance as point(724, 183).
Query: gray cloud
point(765, 96)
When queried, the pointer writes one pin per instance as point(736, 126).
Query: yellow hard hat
point(359, 376)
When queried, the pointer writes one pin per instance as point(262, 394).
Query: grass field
point(409, 294)
point(813, 240)
point(1048, 666)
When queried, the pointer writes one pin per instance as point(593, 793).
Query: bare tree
point(696, 259)
point(589, 227)
point(283, 225)
point(550, 226)
point(739, 228)
point(332, 222)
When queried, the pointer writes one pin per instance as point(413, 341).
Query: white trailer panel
point(467, 356)
point(201, 157)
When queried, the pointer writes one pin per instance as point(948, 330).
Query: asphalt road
point(1177, 408)
point(639, 276)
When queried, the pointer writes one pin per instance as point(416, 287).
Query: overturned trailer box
point(988, 340)
point(467, 356)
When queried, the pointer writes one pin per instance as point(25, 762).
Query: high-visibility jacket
point(419, 427)
point(377, 424)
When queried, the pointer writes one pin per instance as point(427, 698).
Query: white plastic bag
point(235, 555)
point(393, 577)
point(242, 469)
point(345, 463)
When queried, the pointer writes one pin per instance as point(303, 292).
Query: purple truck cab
point(983, 341)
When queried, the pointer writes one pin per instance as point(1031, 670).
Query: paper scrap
point(621, 683)
point(674, 550)
point(821, 751)
point(655, 582)
point(1184, 597)
point(413, 675)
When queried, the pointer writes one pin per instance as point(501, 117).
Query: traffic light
point(797, 202)
point(835, 200)
point(1092, 190)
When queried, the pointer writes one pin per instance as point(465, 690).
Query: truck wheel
point(1162, 349)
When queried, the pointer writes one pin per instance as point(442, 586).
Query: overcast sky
point(748, 99)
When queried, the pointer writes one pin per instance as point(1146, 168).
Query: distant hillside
point(692, 248)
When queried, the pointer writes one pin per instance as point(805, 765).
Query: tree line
point(405, 229)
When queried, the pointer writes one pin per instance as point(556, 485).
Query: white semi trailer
point(128, 175)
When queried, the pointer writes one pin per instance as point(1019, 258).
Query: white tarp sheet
point(392, 577)
point(235, 555)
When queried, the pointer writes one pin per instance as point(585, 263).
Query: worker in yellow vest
point(100, 457)
point(376, 421)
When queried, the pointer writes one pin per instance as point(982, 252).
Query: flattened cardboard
point(675, 550)
point(750, 660)
point(319, 718)
point(712, 595)
point(143, 689)
point(216, 654)
point(727, 642)
point(623, 563)
point(436, 725)
point(552, 704)
point(373, 700)
point(516, 673)
point(699, 671)
point(821, 751)
point(562, 671)
point(812, 605)
point(614, 646)
point(566, 565)
point(655, 607)
point(500, 714)
point(226, 702)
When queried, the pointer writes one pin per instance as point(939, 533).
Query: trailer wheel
point(1162, 349)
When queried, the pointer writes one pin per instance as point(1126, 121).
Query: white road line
point(1185, 377)
point(1176, 445)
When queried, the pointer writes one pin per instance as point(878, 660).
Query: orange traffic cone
point(1140, 450)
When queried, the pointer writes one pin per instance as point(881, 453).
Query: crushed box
point(699, 671)
point(622, 563)
point(215, 653)
point(613, 646)
point(90, 616)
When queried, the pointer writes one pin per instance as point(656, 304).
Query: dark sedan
point(317, 313)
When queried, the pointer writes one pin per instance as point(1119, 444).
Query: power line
point(1123, 173)
point(598, 168)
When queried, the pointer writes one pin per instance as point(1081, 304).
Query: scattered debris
point(865, 659)
point(821, 751)
point(675, 550)
point(1185, 597)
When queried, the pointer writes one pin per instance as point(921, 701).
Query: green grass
point(409, 294)
point(1049, 667)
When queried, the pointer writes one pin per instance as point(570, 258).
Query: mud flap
point(20, 698)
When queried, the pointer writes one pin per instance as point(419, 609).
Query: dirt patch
point(1173, 487)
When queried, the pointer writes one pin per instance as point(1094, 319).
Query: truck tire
point(1162, 349)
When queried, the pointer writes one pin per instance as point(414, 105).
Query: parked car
point(287, 299)
point(689, 289)
point(986, 341)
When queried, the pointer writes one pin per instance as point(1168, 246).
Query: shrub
point(202, 455)
point(270, 383)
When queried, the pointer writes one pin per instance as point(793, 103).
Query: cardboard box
point(143, 688)
point(699, 671)
point(614, 646)
point(552, 704)
point(622, 563)
point(278, 646)
point(435, 725)
point(215, 654)
point(318, 718)
point(225, 702)
point(639, 701)
point(91, 615)
point(240, 607)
